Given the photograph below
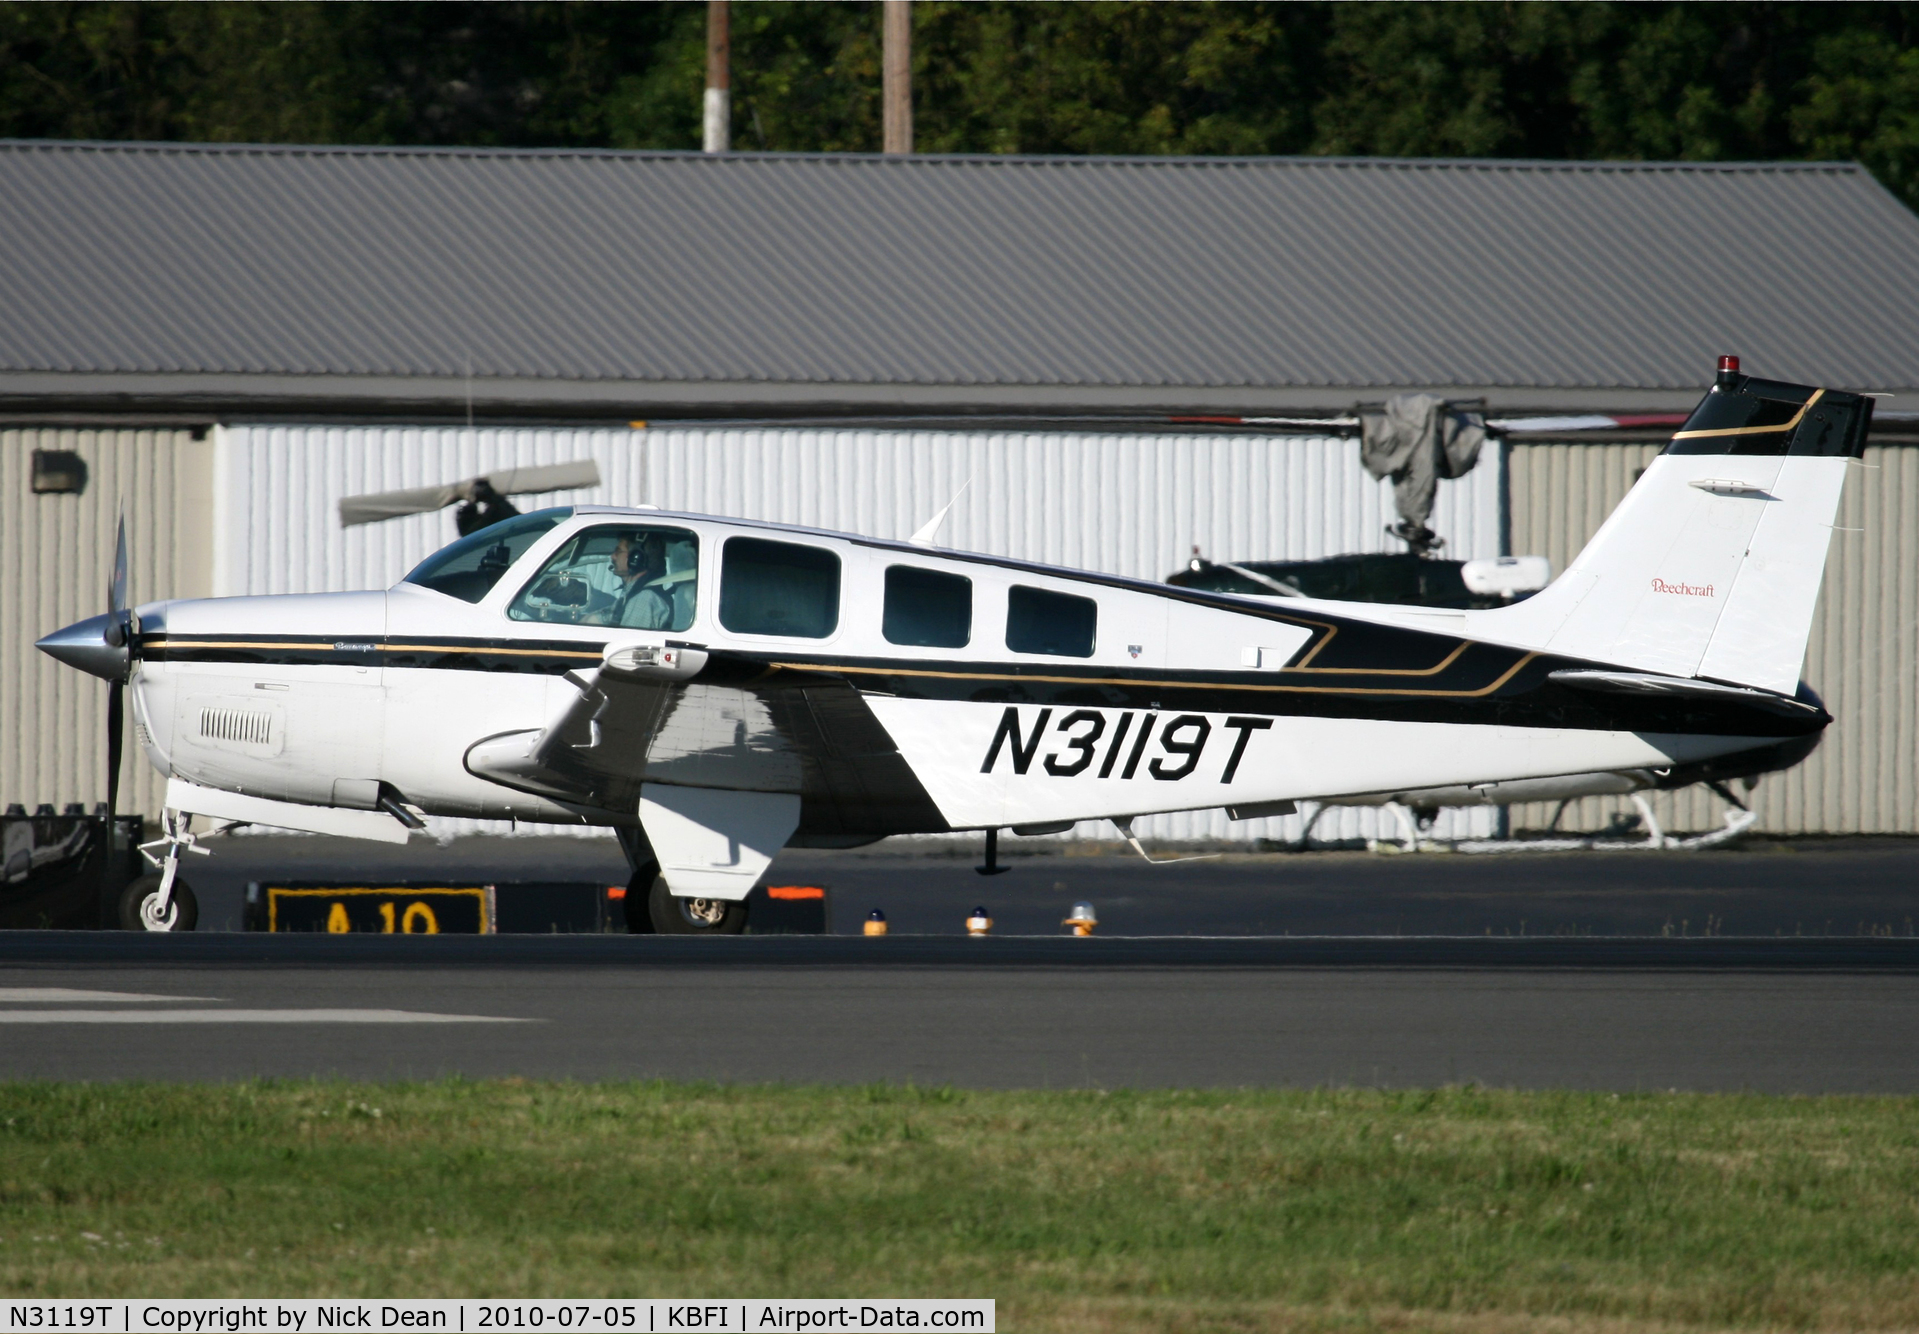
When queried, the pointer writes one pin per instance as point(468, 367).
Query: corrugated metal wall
point(55, 553)
point(1863, 657)
point(1127, 504)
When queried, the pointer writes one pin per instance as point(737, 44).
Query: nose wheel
point(143, 909)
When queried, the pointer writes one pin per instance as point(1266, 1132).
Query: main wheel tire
point(675, 916)
point(639, 915)
point(136, 903)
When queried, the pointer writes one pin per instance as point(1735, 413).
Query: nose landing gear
point(162, 901)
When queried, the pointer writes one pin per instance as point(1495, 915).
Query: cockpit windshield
point(471, 566)
point(640, 576)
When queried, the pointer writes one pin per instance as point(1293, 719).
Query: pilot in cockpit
point(633, 577)
point(639, 602)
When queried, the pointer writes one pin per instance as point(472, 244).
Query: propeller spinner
point(100, 645)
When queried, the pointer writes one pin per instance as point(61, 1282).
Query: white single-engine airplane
point(716, 689)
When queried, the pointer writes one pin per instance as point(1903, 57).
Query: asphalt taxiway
point(1801, 887)
point(1787, 968)
point(1807, 1016)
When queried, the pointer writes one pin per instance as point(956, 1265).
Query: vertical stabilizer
point(1712, 563)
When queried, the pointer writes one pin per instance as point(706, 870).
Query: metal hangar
point(229, 339)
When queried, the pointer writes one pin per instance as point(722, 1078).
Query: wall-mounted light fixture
point(58, 472)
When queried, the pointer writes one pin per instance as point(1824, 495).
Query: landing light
point(636, 656)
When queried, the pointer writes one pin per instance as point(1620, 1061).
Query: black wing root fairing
point(741, 724)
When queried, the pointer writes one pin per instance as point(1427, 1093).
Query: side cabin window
point(471, 566)
point(779, 588)
point(636, 576)
point(1039, 620)
point(927, 608)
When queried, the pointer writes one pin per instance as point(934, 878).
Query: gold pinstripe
point(1434, 670)
point(1804, 408)
point(328, 647)
point(1501, 680)
point(515, 652)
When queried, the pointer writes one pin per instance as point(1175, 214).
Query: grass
point(1461, 1209)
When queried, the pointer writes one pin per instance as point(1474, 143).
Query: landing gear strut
point(163, 902)
point(645, 869)
point(991, 866)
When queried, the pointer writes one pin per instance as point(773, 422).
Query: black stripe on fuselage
point(436, 653)
point(1378, 672)
point(1488, 686)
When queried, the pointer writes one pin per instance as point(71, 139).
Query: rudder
point(1711, 565)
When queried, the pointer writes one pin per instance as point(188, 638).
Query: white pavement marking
point(246, 1017)
point(76, 996)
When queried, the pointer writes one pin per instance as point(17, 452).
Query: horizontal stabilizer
point(1640, 683)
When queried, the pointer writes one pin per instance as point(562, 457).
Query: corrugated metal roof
point(970, 281)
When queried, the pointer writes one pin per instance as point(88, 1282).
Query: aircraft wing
point(726, 724)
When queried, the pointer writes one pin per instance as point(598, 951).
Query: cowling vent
point(243, 726)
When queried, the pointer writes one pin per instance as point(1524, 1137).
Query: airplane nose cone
point(84, 645)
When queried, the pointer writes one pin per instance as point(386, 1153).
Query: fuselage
point(895, 688)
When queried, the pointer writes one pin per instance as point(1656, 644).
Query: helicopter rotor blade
point(506, 481)
point(576, 475)
point(397, 504)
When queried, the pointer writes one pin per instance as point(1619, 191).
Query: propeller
point(118, 633)
point(481, 499)
point(103, 646)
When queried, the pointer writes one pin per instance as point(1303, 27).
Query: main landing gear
point(653, 909)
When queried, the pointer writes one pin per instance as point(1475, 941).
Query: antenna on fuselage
point(1125, 826)
point(923, 536)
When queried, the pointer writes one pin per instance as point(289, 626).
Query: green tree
point(1556, 79)
point(1862, 102)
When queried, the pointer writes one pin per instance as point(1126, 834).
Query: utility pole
point(897, 90)
point(719, 80)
